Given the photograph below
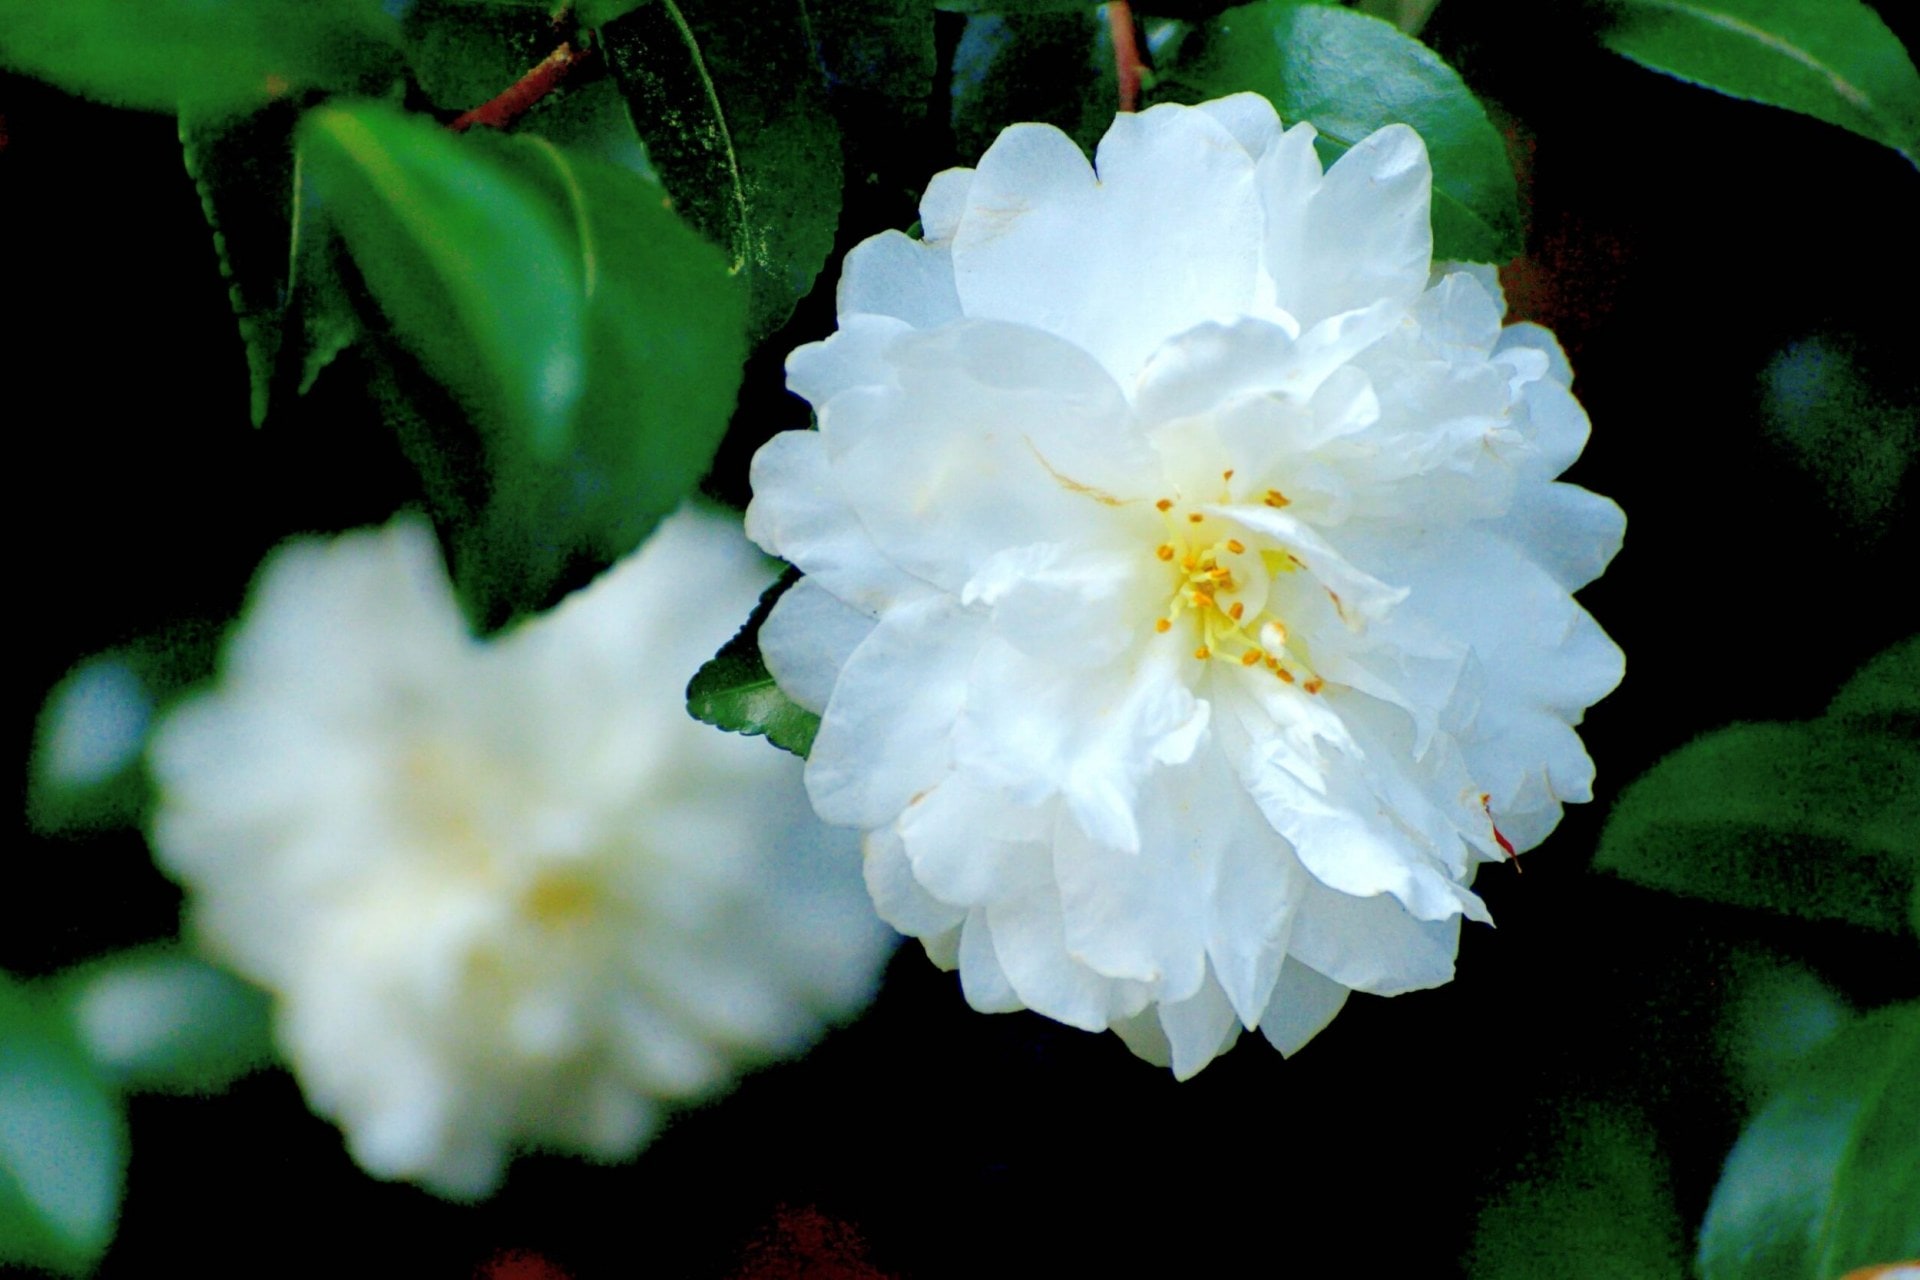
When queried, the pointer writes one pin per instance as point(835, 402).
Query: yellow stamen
point(1163, 626)
point(1202, 600)
point(1236, 546)
point(1202, 653)
point(1164, 551)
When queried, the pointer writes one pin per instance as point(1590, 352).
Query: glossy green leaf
point(1349, 75)
point(665, 345)
point(1827, 1177)
point(1054, 68)
point(734, 691)
point(216, 55)
point(728, 96)
point(1814, 818)
point(242, 166)
point(1592, 1204)
point(1834, 60)
point(467, 262)
point(161, 1020)
point(63, 1142)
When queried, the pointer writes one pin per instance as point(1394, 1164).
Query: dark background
point(1678, 242)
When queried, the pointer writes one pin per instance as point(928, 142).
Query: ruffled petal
point(1304, 1002)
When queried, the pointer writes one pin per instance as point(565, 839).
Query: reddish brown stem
point(1126, 53)
point(519, 97)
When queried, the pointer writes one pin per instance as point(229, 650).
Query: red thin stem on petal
point(1126, 53)
point(519, 97)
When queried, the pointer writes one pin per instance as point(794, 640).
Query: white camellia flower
point(1187, 587)
point(506, 894)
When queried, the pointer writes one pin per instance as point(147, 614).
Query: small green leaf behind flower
point(1826, 1178)
point(1834, 60)
point(1349, 75)
point(1810, 818)
point(734, 690)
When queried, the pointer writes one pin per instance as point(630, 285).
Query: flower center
point(1221, 584)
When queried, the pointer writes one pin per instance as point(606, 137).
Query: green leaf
point(1834, 60)
point(87, 769)
point(215, 55)
point(63, 1142)
point(1827, 1177)
point(1813, 819)
point(1855, 441)
point(1779, 1013)
point(467, 262)
point(160, 1020)
point(728, 96)
point(243, 169)
point(1593, 1204)
point(1349, 75)
point(1054, 68)
point(463, 54)
point(734, 691)
point(665, 345)
point(1885, 691)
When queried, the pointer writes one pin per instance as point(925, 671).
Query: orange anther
point(1284, 674)
point(1218, 574)
point(1202, 653)
point(1314, 685)
point(1164, 551)
point(1250, 657)
point(1163, 626)
point(1202, 600)
point(1237, 611)
point(1194, 517)
point(1227, 474)
point(1275, 498)
point(1236, 546)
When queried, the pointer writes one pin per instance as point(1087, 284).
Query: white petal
point(982, 980)
point(1167, 236)
point(1372, 944)
point(892, 274)
point(1366, 233)
point(886, 735)
point(1249, 117)
point(1570, 532)
point(1199, 1029)
point(799, 514)
point(807, 639)
point(1303, 1003)
point(897, 896)
point(944, 203)
point(995, 437)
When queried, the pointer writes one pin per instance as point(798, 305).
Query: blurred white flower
point(1187, 588)
point(507, 894)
